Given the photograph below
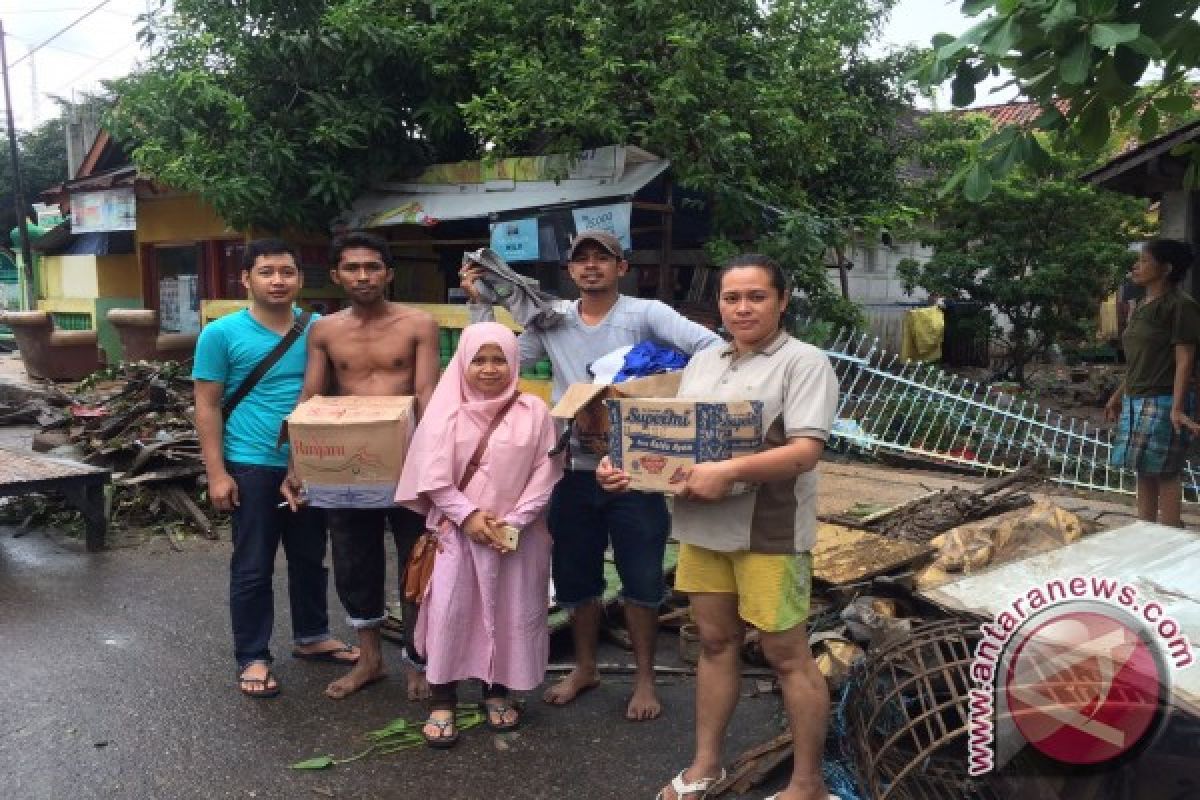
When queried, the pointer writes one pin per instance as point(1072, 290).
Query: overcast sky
point(104, 45)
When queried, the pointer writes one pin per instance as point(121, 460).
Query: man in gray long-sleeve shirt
point(583, 518)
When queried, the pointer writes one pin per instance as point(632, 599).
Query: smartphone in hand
point(509, 536)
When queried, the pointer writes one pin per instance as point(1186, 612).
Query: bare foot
point(644, 704)
point(576, 683)
point(363, 674)
point(418, 686)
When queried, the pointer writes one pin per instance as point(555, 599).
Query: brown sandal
point(259, 688)
point(443, 740)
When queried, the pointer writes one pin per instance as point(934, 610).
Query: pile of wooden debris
point(137, 420)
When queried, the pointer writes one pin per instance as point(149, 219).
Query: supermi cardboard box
point(657, 441)
point(349, 451)
point(583, 405)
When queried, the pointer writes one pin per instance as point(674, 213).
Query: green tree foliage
point(1040, 252)
point(281, 114)
point(1087, 62)
point(42, 155)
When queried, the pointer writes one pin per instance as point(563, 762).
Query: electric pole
point(18, 190)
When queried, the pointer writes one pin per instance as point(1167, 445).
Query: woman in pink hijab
point(484, 613)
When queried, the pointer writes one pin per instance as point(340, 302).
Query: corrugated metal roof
point(1159, 562)
point(613, 172)
point(1135, 156)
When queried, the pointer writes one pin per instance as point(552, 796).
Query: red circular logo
point(1083, 687)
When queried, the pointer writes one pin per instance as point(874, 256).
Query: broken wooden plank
point(165, 474)
point(755, 765)
point(181, 502)
point(845, 555)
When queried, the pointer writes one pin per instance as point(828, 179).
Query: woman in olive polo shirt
point(744, 557)
point(1152, 404)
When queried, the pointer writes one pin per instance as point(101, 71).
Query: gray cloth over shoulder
point(522, 296)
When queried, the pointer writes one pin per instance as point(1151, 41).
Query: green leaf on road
point(320, 762)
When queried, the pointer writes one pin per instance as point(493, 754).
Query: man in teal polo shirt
point(246, 467)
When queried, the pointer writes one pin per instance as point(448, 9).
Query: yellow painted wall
point(69, 305)
point(119, 276)
point(180, 218)
point(69, 276)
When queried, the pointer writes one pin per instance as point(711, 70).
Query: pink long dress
point(484, 613)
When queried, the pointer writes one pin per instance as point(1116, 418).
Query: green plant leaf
point(1148, 124)
point(955, 181)
point(1051, 119)
point(1130, 64)
point(1061, 12)
point(1174, 104)
point(320, 762)
point(1076, 64)
point(1145, 45)
point(1107, 35)
point(971, 8)
point(1001, 40)
point(962, 88)
point(1095, 125)
point(978, 183)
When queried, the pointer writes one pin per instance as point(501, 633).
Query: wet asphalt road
point(118, 683)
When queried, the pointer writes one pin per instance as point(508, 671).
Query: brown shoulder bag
point(419, 569)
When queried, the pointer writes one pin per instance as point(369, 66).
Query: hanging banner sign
point(516, 239)
point(99, 212)
point(613, 218)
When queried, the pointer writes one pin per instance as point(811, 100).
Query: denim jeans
point(259, 526)
point(584, 519)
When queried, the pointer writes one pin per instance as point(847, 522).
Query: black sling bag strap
point(269, 360)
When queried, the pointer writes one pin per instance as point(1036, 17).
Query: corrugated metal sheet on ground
point(1161, 563)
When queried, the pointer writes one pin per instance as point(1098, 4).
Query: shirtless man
point(373, 348)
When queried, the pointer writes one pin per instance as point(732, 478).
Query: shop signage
point(99, 212)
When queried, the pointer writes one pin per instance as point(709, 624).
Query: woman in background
point(1152, 405)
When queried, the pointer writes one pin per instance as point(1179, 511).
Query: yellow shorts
point(772, 590)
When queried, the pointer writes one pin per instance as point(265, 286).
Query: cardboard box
point(349, 451)
point(582, 405)
point(657, 441)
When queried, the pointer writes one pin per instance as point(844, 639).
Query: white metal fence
point(915, 409)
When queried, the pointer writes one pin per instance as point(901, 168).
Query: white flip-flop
point(682, 788)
